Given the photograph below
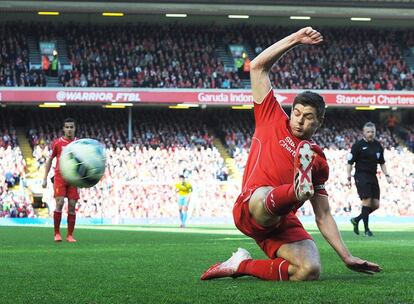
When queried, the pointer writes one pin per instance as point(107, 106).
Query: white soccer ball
point(82, 163)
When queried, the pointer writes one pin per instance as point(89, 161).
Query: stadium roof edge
point(398, 9)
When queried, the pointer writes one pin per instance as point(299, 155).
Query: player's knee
point(257, 210)
point(72, 206)
point(256, 201)
point(309, 272)
point(59, 204)
point(375, 205)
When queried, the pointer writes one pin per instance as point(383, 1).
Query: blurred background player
point(184, 190)
point(60, 187)
point(366, 154)
point(284, 170)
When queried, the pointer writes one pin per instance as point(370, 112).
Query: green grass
point(130, 264)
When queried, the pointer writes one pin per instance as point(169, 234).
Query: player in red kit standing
point(284, 169)
point(60, 187)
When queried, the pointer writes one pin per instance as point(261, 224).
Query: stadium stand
point(360, 59)
point(184, 56)
point(15, 70)
point(146, 56)
point(164, 143)
point(14, 201)
point(140, 176)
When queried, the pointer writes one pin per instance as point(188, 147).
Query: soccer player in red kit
point(284, 169)
point(60, 187)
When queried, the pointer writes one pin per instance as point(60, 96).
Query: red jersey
point(270, 161)
point(57, 147)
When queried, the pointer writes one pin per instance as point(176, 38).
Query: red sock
point(270, 270)
point(57, 217)
point(71, 223)
point(281, 200)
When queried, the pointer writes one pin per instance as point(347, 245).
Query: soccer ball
point(82, 163)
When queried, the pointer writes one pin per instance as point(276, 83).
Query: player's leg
point(296, 261)
point(264, 196)
point(242, 264)
point(372, 205)
point(57, 217)
point(375, 203)
point(60, 201)
point(245, 222)
point(71, 220)
point(270, 240)
point(365, 211)
point(304, 260)
point(180, 209)
point(268, 204)
point(73, 197)
point(184, 212)
point(364, 215)
point(365, 194)
point(59, 189)
point(292, 253)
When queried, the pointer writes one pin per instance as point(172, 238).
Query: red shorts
point(62, 189)
point(270, 239)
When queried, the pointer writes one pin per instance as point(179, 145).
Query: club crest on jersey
point(378, 155)
point(289, 145)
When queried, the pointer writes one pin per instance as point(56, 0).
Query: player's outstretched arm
point(261, 65)
point(327, 226)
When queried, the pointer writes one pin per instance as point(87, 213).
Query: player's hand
point(359, 265)
point(348, 183)
point(44, 183)
point(308, 35)
point(389, 179)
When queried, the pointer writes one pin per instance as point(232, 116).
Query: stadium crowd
point(185, 56)
point(15, 68)
point(141, 55)
point(141, 173)
point(350, 59)
point(409, 138)
point(164, 144)
point(182, 56)
point(12, 172)
point(406, 132)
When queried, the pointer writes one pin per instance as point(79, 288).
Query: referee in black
point(366, 154)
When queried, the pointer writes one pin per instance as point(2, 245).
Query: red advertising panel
point(213, 97)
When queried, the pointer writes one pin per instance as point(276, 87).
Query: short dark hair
point(312, 99)
point(181, 176)
point(69, 119)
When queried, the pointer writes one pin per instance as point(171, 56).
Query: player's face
point(69, 129)
point(369, 133)
point(303, 121)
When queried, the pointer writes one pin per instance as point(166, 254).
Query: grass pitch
point(160, 264)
